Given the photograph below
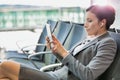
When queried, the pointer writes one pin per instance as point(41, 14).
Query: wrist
point(64, 54)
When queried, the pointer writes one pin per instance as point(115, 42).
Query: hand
point(57, 47)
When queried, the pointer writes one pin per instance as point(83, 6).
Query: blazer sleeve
point(106, 51)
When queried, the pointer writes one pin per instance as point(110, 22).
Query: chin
point(90, 34)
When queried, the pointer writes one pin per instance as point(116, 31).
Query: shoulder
point(107, 41)
point(106, 38)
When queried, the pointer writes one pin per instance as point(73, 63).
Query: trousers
point(27, 73)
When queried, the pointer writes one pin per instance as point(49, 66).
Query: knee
point(4, 64)
point(9, 69)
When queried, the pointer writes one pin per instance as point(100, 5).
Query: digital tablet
point(49, 34)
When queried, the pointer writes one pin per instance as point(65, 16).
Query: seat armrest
point(39, 53)
point(43, 69)
point(28, 50)
point(25, 44)
point(24, 48)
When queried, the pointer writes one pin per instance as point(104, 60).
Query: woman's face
point(92, 24)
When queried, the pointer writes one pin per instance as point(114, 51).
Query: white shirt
point(83, 43)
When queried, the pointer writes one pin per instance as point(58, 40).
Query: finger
point(47, 39)
point(55, 44)
point(48, 42)
point(54, 49)
point(54, 38)
point(48, 45)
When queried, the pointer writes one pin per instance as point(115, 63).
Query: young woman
point(82, 62)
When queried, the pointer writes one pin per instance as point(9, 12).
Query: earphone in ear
point(102, 24)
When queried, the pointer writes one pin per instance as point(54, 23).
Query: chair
point(61, 32)
point(21, 57)
point(113, 72)
point(114, 30)
point(76, 34)
point(62, 29)
point(44, 34)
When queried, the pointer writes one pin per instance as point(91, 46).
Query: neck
point(96, 35)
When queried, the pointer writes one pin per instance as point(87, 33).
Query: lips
point(87, 28)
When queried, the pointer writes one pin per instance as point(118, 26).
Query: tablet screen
point(49, 32)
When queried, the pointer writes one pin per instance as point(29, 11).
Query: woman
point(85, 61)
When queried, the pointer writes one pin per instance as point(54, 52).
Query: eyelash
point(89, 20)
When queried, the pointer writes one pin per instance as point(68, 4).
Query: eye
point(89, 20)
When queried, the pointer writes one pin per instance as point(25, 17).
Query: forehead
point(90, 15)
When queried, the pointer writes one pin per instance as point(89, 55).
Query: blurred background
point(23, 20)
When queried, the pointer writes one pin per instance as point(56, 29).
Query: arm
point(104, 55)
point(100, 62)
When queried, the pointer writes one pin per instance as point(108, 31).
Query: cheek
point(95, 26)
point(92, 29)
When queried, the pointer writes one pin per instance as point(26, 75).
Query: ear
point(103, 22)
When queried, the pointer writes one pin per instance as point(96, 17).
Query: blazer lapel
point(84, 47)
point(92, 42)
point(89, 44)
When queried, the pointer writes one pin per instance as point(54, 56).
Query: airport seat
point(114, 30)
point(76, 35)
point(19, 57)
point(61, 32)
point(113, 72)
point(43, 35)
